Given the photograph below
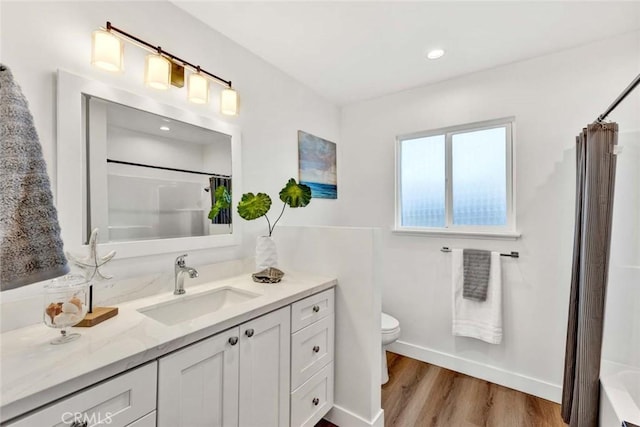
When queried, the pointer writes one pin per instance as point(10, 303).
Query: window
point(458, 179)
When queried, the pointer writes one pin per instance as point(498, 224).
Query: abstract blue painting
point(317, 165)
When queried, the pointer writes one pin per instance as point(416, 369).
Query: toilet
point(390, 332)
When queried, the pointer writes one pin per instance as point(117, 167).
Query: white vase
point(266, 253)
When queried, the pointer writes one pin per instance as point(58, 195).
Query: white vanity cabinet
point(128, 400)
point(239, 377)
point(274, 370)
point(312, 353)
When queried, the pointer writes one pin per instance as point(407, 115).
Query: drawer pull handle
point(316, 349)
point(249, 332)
point(316, 401)
point(80, 424)
point(316, 308)
point(233, 340)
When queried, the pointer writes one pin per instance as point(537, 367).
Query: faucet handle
point(180, 260)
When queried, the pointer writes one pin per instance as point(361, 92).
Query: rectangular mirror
point(147, 189)
point(151, 177)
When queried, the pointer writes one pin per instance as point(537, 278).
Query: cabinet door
point(264, 370)
point(198, 385)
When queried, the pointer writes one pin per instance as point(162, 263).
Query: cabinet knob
point(316, 401)
point(249, 332)
point(80, 424)
point(233, 340)
point(316, 308)
point(316, 349)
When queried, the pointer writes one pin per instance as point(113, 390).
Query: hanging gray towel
point(30, 244)
point(477, 266)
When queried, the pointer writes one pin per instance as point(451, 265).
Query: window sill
point(495, 235)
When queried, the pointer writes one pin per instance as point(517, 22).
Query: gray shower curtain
point(595, 181)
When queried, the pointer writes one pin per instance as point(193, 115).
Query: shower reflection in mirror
point(150, 177)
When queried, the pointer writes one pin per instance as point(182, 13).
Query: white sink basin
point(190, 307)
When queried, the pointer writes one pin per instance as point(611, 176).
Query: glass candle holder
point(65, 305)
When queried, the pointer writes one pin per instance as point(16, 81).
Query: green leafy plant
point(253, 206)
point(223, 201)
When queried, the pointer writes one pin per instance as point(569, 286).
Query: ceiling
point(141, 121)
point(350, 51)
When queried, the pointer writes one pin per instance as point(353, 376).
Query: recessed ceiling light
point(165, 128)
point(435, 53)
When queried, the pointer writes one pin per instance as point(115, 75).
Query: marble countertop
point(34, 372)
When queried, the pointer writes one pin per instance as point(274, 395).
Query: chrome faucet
point(180, 268)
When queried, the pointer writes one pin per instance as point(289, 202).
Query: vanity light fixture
point(229, 102)
point(162, 68)
point(106, 51)
point(165, 128)
point(157, 71)
point(198, 88)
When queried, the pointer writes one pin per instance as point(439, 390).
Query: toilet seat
point(390, 329)
point(389, 324)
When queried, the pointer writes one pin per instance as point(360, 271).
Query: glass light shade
point(157, 72)
point(106, 51)
point(198, 89)
point(229, 102)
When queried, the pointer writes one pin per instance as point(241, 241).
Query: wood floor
point(419, 394)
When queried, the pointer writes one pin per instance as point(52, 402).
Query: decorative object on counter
point(317, 165)
point(91, 264)
point(162, 69)
point(31, 249)
point(266, 252)
point(268, 275)
point(253, 206)
point(65, 305)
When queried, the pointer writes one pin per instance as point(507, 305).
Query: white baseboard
point(344, 418)
point(536, 387)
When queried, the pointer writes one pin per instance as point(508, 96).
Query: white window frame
point(507, 231)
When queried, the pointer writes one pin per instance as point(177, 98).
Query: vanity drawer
point(311, 309)
point(311, 349)
point(313, 399)
point(117, 402)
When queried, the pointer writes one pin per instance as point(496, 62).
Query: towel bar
point(513, 254)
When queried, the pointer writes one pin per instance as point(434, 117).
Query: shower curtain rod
point(619, 99)
point(142, 165)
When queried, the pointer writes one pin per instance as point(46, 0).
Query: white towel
point(481, 320)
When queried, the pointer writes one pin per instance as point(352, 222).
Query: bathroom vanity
point(264, 357)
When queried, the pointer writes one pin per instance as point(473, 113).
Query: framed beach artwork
point(317, 165)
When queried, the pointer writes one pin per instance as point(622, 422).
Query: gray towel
point(30, 243)
point(477, 266)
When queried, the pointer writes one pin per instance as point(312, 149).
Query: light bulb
point(157, 72)
point(198, 89)
point(229, 102)
point(106, 51)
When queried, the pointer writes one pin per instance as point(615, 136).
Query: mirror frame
point(72, 176)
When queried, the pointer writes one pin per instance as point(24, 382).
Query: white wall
point(552, 98)
point(350, 255)
point(40, 37)
point(621, 340)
